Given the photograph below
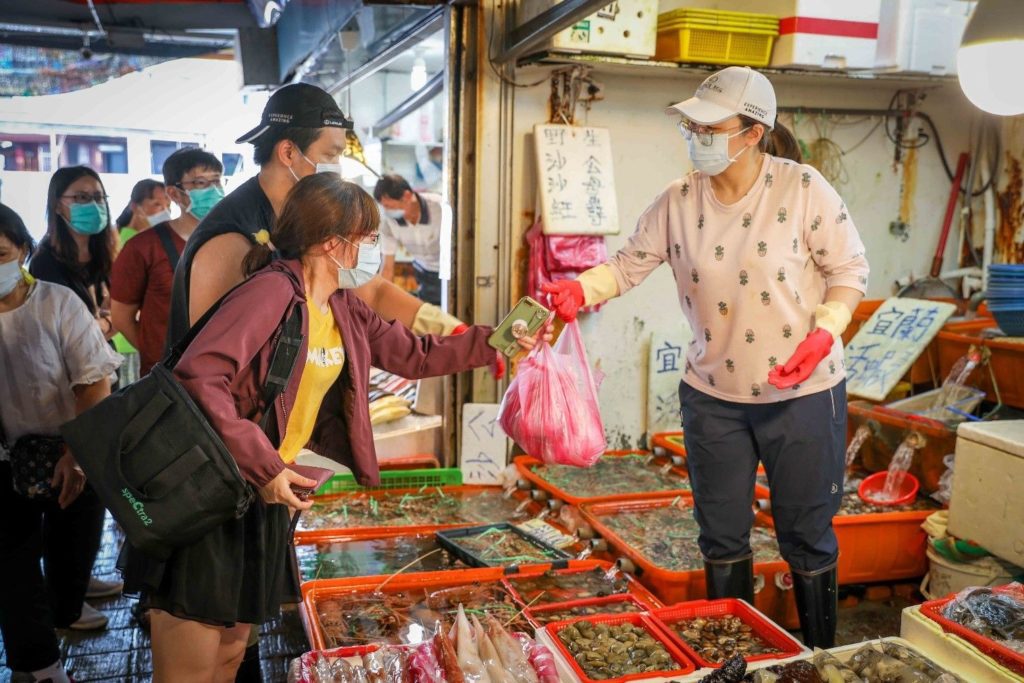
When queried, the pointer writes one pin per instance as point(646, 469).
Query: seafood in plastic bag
point(996, 613)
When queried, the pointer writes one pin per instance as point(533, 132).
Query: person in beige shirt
point(768, 267)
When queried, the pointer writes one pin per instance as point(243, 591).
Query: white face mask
point(317, 168)
point(10, 276)
point(395, 214)
point(714, 158)
point(158, 218)
point(367, 265)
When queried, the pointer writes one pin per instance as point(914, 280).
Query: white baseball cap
point(727, 93)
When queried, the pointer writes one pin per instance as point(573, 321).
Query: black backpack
point(154, 460)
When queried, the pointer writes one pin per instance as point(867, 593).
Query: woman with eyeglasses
point(80, 243)
point(769, 268)
point(206, 596)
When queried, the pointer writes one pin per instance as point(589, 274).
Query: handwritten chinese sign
point(484, 445)
point(890, 341)
point(577, 185)
point(665, 369)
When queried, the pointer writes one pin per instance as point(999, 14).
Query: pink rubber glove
point(498, 366)
point(811, 351)
point(567, 298)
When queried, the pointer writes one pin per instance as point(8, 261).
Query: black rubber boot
point(249, 669)
point(817, 599)
point(730, 578)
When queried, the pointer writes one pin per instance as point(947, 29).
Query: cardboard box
point(622, 28)
point(988, 484)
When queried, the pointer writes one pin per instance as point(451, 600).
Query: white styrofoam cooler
point(820, 34)
point(950, 651)
point(921, 36)
point(623, 27)
point(987, 504)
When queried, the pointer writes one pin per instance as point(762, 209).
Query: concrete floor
point(121, 652)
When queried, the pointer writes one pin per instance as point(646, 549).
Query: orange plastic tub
point(672, 442)
point(304, 534)
point(534, 598)
point(1006, 361)
point(772, 581)
point(525, 464)
point(410, 462)
point(886, 546)
point(683, 664)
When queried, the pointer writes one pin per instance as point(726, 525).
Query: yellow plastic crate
point(730, 39)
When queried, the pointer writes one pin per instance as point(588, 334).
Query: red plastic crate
point(773, 582)
point(762, 626)
point(685, 665)
point(524, 463)
point(1004, 655)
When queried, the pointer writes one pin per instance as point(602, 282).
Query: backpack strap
point(163, 231)
point(282, 363)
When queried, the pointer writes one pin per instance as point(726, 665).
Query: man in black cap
point(302, 132)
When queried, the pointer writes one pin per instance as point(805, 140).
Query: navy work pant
point(802, 445)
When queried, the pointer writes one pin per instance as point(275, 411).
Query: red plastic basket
point(1004, 655)
point(534, 614)
point(634, 588)
point(525, 463)
point(763, 627)
point(678, 655)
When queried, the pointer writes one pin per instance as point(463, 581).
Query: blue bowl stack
point(1006, 297)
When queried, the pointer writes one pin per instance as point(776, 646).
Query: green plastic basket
point(394, 479)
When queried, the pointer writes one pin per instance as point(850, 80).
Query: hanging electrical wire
point(494, 67)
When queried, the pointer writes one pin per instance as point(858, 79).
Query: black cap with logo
point(299, 105)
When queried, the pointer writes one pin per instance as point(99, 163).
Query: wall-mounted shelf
point(653, 68)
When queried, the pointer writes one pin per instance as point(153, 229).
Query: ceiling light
point(991, 52)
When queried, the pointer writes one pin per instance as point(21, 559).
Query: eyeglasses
point(202, 183)
point(704, 134)
point(85, 197)
point(367, 241)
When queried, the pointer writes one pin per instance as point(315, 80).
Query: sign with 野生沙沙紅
point(577, 184)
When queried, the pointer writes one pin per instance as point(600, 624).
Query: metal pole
point(429, 91)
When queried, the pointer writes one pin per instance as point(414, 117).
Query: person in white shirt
point(769, 268)
point(54, 365)
point(412, 220)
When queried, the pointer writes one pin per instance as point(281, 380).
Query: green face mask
point(203, 200)
point(89, 219)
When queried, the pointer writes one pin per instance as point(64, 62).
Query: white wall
point(649, 152)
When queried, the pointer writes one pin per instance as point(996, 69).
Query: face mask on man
point(395, 214)
point(10, 276)
point(317, 168)
point(89, 219)
point(714, 158)
point(159, 217)
point(201, 201)
point(367, 265)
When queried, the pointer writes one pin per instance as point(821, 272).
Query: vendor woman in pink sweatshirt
point(769, 268)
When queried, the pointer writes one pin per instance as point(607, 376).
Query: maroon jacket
point(225, 366)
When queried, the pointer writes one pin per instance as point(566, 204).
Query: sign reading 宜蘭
point(890, 341)
point(665, 368)
point(484, 444)
point(577, 185)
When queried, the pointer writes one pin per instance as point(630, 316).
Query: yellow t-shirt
point(324, 361)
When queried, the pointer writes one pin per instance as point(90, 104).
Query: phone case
point(318, 474)
point(526, 318)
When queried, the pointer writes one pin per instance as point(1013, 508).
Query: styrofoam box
point(624, 27)
point(829, 47)
point(921, 36)
point(951, 651)
point(988, 482)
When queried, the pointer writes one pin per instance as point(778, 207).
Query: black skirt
point(241, 572)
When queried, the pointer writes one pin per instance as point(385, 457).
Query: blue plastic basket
point(1011, 322)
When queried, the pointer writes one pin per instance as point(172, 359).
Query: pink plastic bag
point(555, 257)
point(550, 408)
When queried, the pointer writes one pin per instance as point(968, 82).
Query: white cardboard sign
point(484, 444)
point(577, 182)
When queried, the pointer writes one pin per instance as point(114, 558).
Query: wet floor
point(121, 652)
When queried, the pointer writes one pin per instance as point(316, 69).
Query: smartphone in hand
point(525, 320)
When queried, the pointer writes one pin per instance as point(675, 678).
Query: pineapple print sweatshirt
point(749, 274)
